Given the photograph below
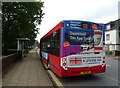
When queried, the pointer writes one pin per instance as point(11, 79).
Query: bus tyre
point(48, 64)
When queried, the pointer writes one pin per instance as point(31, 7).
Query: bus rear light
point(104, 57)
point(63, 59)
point(104, 61)
point(64, 63)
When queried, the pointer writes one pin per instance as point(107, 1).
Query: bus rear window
point(75, 37)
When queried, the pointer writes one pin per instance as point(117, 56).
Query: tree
point(18, 22)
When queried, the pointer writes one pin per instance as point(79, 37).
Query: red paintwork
point(56, 61)
point(76, 71)
point(98, 48)
point(57, 69)
point(60, 42)
point(54, 64)
point(98, 33)
point(57, 27)
point(44, 60)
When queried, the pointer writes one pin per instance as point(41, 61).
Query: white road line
point(56, 80)
point(112, 78)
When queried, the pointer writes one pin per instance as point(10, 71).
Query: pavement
point(113, 57)
point(27, 72)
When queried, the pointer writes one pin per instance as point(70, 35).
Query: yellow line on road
point(55, 79)
point(112, 78)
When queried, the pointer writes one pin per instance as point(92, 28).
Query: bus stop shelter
point(21, 47)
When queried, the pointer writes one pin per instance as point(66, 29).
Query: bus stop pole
point(19, 51)
point(18, 45)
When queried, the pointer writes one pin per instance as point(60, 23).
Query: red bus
point(74, 48)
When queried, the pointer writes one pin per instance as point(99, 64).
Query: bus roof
point(80, 21)
point(58, 26)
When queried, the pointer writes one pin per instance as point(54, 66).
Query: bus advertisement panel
point(74, 48)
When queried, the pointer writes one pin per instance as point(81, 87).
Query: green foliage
point(18, 21)
point(108, 52)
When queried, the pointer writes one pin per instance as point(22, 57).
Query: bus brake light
point(104, 57)
point(64, 63)
point(64, 59)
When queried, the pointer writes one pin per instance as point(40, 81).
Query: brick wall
point(7, 60)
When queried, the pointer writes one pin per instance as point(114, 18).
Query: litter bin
point(19, 54)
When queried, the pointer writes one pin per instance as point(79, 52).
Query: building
point(112, 35)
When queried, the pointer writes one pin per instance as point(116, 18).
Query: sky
point(99, 11)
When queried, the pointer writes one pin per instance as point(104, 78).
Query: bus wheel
point(48, 64)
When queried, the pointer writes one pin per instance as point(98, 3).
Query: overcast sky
point(100, 11)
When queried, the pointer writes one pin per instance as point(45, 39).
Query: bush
point(117, 53)
point(108, 52)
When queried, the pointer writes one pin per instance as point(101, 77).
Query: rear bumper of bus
point(82, 71)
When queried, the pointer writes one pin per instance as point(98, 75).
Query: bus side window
point(55, 43)
point(43, 45)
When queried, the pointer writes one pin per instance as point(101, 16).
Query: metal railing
point(112, 49)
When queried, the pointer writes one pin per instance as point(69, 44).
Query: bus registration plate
point(85, 72)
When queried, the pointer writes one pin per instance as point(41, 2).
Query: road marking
point(108, 65)
point(112, 78)
point(55, 79)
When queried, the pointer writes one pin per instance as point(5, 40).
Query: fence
point(7, 60)
point(112, 49)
